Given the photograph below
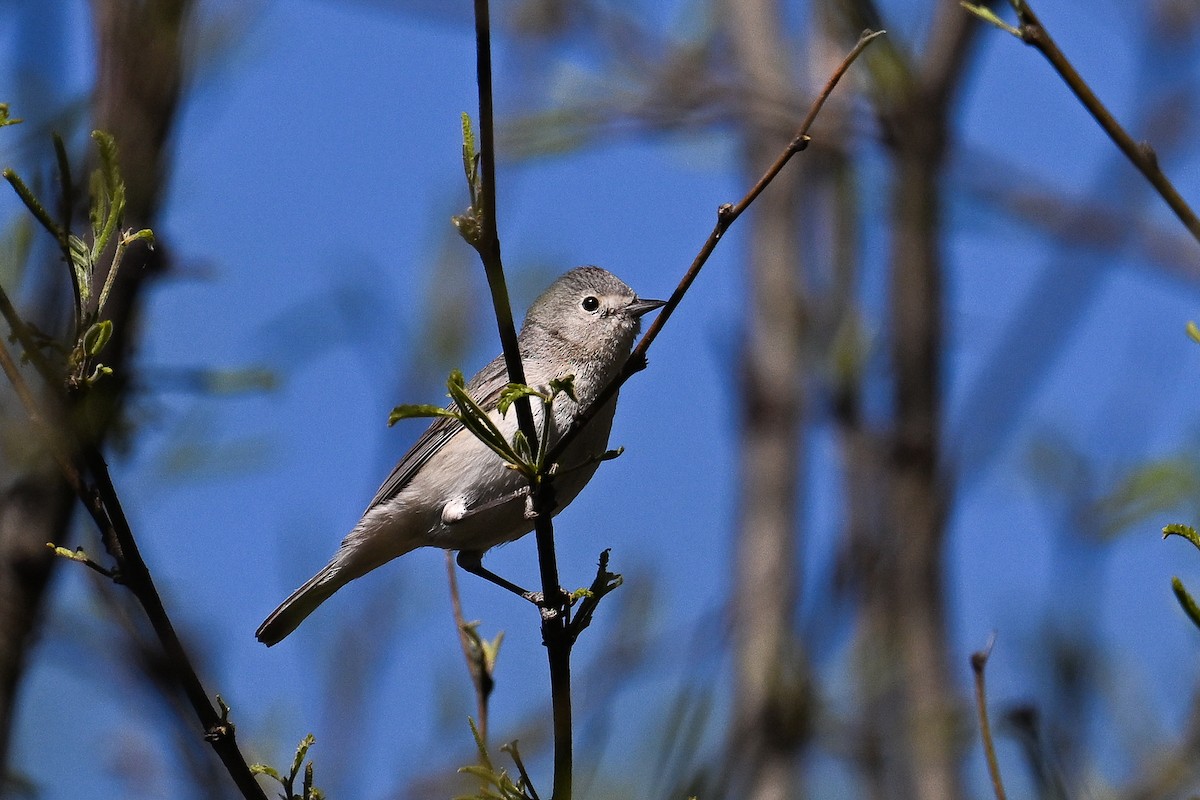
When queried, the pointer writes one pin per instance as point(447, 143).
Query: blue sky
point(318, 153)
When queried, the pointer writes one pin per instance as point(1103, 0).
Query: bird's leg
point(472, 562)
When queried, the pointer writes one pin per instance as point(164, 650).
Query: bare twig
point(103, 504)
point(979, 661)
point(556, 624)
point(1141, 154)
point(726, 215)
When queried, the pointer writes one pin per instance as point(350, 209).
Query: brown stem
point(978, 665)
point(479, 678)
point(1140, 154)
point(556, 609)
point(726, 215)
point(104, 507)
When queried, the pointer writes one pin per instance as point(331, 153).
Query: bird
point(450, 490)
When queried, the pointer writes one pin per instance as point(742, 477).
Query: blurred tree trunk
point(138, 79)
point(911, 721)
point(770, 676)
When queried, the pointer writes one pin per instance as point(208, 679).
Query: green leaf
point(484, 759)
point(468, 151)
point(491, 651)
point(97, 336)
point(99, 372)
point(106, 144)
point(1186, 531)
point(512, 392)
point(265, 769)
point(521, 446)
point(1186, 602)
point(477, 421)
point(564, 385)
point(1193, 331)
point(5, 119)
point(301, 751)
point(411, 410)
point(989, 16)
point(145, 234)
point(33, 204)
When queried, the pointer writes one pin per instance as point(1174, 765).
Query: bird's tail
point(300, 604)
point(357, 556)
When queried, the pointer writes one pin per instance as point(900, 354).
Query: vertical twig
point(979, 661)
point(556, 610)
point(479, 679)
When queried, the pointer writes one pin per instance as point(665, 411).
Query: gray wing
point(484, 389)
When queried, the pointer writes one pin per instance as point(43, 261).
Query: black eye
point(590, 303)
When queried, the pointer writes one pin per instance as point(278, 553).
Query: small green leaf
point(97, 336)
point(1193, 331)
point(521, 446)
point(491, 652)
point(1186, 602)
point(301, 751)
point(484, 759)
point(33, 204)
point(5, 119)
point(1186, 531)
point(468, 150)
point(510, 393)
point(987, 15)
point(564, 385)
point(99, 372)
point(265, 769)
point(411, 410)
point(144, 235)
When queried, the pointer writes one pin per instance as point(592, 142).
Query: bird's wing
point(443, 430)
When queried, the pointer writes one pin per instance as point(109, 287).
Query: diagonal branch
point(726, 215)
point(1140, 154)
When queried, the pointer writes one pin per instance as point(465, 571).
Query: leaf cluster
point(496, 783)
point(517, 451)
point(103, 248)
point(288, 782)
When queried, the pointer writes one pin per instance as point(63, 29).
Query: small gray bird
point(450, 490)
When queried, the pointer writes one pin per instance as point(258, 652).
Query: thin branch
point(480, 680)
point(726, 215)
point(979, 661)
point(556, 608)
point(1140, 154)
point(104, 506)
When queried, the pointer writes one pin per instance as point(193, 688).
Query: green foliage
point(5, 119)
point(475, 419)
point(288, 782)
point(106, 212)
point(497, 784)
point(1186, 601)
point(468, 223)
point(989, 16)
point(1147, 490)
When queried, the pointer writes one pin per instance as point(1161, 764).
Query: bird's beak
point(639, 306)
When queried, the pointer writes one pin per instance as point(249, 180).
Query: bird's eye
point(590, 303)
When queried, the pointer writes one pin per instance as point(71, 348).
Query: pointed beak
point(639, 306)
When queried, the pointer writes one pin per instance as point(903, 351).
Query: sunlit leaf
point(1186, 602)
point(1186, 531)
point(411, 410)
